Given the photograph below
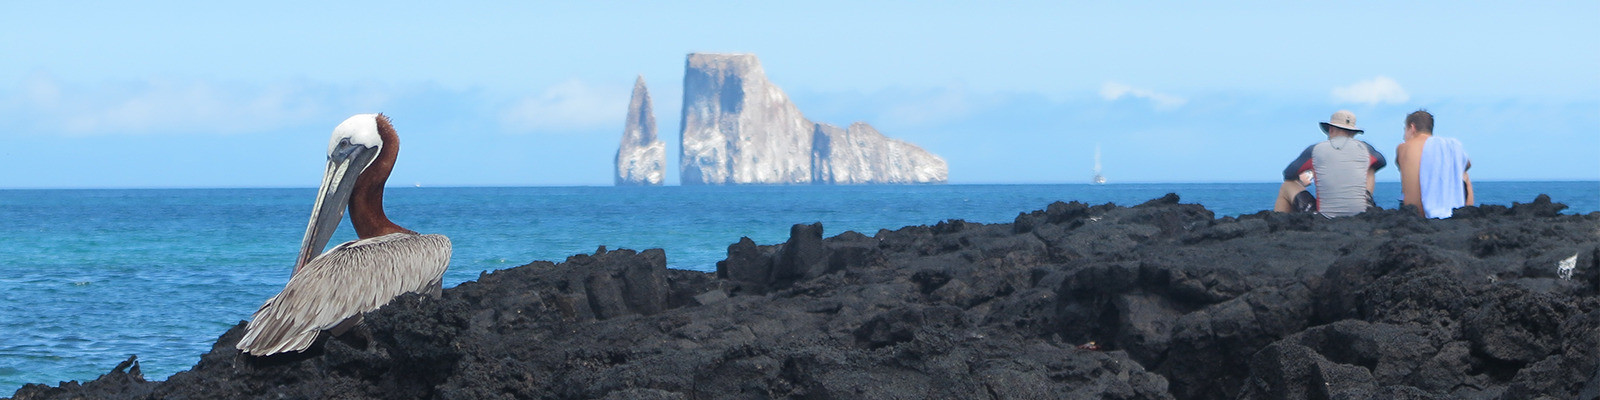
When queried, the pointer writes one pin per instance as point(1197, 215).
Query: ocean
point(89, 277)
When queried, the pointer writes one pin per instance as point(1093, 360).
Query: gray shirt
point(1341, 165)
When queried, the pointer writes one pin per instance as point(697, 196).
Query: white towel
point(1443, 163)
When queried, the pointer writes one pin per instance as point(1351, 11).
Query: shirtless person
point(1342, 169)
point(1433, 170)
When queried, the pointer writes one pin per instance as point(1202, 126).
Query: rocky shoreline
point(1155, 301)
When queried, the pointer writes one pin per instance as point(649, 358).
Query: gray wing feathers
point(353, 278)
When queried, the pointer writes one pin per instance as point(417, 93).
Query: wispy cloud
point(569, 106)
point(1372, 91)
point(1111, 91)
point(41, 104)
point(931, 108)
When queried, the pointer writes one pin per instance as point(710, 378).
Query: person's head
point(1342, 123)
point(1419, 121)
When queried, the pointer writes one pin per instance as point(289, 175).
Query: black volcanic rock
point(1155, 301)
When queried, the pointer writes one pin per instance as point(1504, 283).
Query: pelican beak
point(346, 160)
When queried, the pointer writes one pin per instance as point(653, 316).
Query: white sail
point(1098, 178)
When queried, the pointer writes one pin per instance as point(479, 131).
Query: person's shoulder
point(1410, 144)
point(1369, 146)
point(1437, 141)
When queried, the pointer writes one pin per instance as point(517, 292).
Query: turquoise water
point(88, 277)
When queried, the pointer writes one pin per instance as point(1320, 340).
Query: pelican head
point(355, 143)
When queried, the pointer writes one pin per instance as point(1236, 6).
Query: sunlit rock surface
point(739, 128)
point(642, 157)
point(862, 155)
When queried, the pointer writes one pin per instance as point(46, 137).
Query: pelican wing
point(353, 278)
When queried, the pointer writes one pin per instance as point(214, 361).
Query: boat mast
point(1097, 159)
point(1098, 179)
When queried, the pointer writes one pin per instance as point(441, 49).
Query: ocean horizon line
point(558, 186)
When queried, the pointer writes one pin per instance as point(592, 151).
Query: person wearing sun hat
point(1341, 169)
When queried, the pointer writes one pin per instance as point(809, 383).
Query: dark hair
point(1421, 120)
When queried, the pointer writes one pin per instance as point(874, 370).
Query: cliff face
point(642, 157)
point(739, 128)
point(862, 155)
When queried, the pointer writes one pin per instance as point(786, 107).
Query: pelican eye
point(343, 150)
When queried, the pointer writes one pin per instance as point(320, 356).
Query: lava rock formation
point(1155, 301)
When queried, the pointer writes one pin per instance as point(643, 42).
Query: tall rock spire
point(642, 157)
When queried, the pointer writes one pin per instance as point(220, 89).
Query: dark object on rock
point(1171, 303)
point(121, 382)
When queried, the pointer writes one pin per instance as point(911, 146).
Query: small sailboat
point(1098, 178)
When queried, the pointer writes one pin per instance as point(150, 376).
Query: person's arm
point(1410, 182)
point(1466, 181)
point(1300, 164)
point(1372, 177)
point(1375, 162)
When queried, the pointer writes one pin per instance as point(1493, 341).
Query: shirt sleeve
point(1377, 162)
point(1300, 164)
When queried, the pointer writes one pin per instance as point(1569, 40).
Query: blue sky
point(197, 94)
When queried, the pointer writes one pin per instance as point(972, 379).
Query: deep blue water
point(88, 277)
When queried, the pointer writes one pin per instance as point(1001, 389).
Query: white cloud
point(42, 104)
point(1373, 91)
point(928, 109)
point(1111, 91)
point(569, 106)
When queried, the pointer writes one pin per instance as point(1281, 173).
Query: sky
point(202, 94)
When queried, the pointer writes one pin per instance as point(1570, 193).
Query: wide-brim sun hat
point(1344, 119)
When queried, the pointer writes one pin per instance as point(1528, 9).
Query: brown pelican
point(329, 292)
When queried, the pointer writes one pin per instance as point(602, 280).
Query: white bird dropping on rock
point(1565, 267)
